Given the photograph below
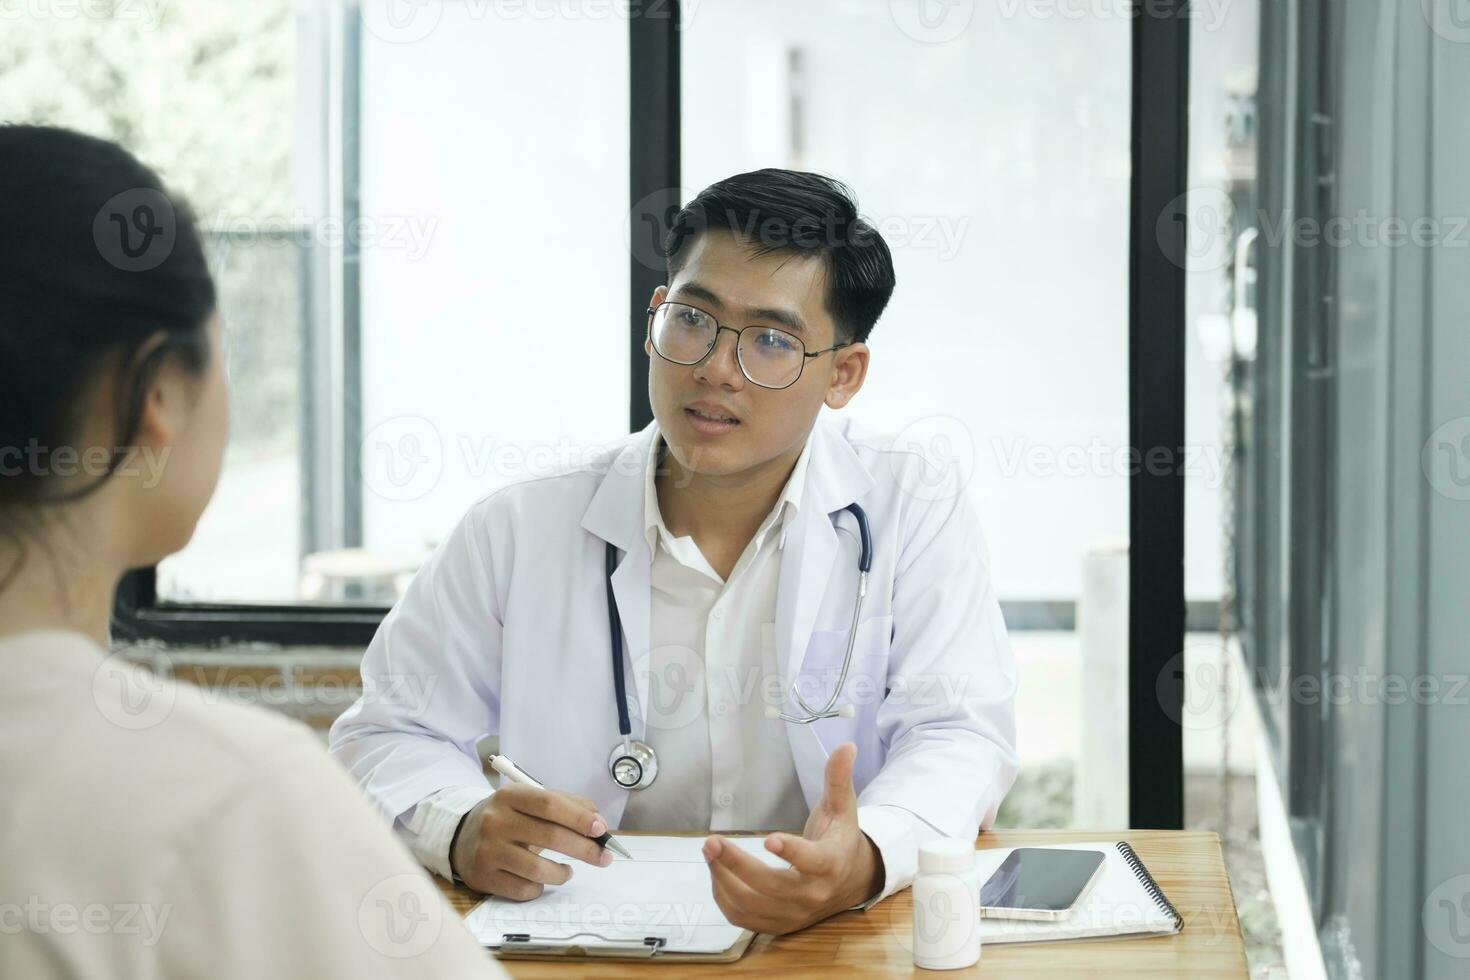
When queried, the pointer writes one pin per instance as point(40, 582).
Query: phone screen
point(1041, 878)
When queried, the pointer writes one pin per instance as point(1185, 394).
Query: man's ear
point(657, 298)
point(848, 374)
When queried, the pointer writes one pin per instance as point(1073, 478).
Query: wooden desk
point(1188, 866)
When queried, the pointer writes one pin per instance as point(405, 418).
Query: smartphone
point(1043, 883)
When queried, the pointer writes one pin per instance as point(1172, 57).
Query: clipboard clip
point(523, 943)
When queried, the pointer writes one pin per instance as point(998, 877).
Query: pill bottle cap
point(946, 857)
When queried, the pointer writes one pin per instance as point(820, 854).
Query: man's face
point(787, 291)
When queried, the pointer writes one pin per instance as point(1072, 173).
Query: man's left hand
point(834, 865)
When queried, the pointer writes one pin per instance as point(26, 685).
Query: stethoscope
point(633, 763)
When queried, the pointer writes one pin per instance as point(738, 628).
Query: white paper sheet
point(664, 892)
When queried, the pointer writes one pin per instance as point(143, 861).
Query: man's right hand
point(498, 850)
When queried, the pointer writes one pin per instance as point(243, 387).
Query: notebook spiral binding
point(1151, 886)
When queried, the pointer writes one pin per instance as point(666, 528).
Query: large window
point(1003, 355)
point(392, 217)
point(493, 346)
point(452, 209)
point(399, 196)
point(209, 95)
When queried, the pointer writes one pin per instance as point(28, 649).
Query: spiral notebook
point(1124, 901)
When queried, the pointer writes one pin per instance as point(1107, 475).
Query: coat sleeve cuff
point(428, 828)
point(897, 835)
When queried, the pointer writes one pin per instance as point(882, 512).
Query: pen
point(516, 774)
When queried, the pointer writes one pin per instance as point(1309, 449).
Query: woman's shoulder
point(151, 751)
point(231, 823)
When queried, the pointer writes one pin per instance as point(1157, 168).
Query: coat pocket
point(866, 683)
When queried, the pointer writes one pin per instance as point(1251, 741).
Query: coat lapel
point(616, 515)
point(835, 478)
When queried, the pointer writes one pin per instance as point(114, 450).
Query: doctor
point(715, 558)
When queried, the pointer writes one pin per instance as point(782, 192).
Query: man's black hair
point(776, 211)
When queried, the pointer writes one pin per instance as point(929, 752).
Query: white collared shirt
point(723, 768)
point(723, 765)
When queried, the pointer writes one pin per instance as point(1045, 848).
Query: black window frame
point(1159, 141)
point(1288, 561)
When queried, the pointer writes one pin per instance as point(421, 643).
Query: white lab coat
point(505, 631)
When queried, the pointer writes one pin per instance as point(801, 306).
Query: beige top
point(149, 830)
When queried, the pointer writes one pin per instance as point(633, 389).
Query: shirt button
point(725, 799)
point(718, 614)
point(722, 709)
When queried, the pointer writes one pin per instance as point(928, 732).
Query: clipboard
point(521, 946)
point(658, 907)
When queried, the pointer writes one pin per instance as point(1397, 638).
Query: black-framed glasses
point(768, 357)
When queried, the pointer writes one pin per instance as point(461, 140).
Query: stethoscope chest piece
point(633, 764)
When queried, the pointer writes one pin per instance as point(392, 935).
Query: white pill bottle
point(946, 906)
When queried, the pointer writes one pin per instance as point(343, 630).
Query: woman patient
point(144, 831)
